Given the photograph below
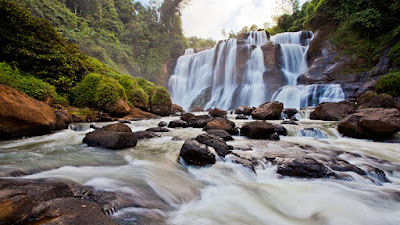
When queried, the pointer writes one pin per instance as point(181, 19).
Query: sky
point(207, 18)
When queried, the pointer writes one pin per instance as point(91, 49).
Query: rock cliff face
point(327, 66)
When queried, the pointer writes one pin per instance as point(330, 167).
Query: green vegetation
point(390, 84)
point(41, 63)
point(147, 86)
point(160, 97)
point(363, 28)
point(195, 42)
point(125, 35)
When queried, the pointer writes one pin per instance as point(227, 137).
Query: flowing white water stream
point(225, 193)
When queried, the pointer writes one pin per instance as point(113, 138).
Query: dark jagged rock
point(301, 167)
point(117, 127)
point(220, 124)
point(196, 154)
point(145, 135)
point(235, 131)
point(268, 111)
point(290, 112)
point(110, 140)
point(344, 166)
point(242, 117)
point(124, 121)
point(258, 130)
point(162, 124)
point(22, 116)
point(245, 110)
point(371, 123)
point(332, 111)
point(220, 133)
point(63, 119)
point(217, 112)
point(177, 123)
point(216, 142)
point(158, 129)
point(46, 202)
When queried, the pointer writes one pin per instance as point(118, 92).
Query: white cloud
point(206, 18)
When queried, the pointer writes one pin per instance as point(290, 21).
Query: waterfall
point(211, 78)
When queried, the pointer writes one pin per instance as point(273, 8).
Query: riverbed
point(166, 192)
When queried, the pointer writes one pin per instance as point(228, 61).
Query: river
point(165, 192)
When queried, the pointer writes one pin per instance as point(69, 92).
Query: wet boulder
point(329, 111)
point(371, 123)
point(258, 130)
point(245, 110)
point(240, 160)
point(220, 133)
point(199, 121)
point(373, 100)
point(290, 112)
point(217, 112)
point(217, 143)
point(177, 123)
point(290, 122)
point(116, 127)
point(280, 130)
point(220, 124)
point(21, 115)
point(63, 119)
point(162, 124)
point(268, 111)
point(197, 109)
point(196, 154)
point(158, 129)
point(301, 167)
point(110, 140)
point(176, 108)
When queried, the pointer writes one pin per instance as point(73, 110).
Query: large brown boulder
point(245, 110)
point(373, 100)
point(258, 130)
point(268, 111)
point(373, 123)
point(220, 124)
point(115, 136)
point(330, 111)
point(196, 154)
point(176, 108)
point(22, 116)
point(217, 143)
point(196, 121)
point(118, 109)
point(217, 112)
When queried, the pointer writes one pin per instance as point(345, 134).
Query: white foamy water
point(226, 193)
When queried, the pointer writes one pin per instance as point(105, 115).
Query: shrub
point(161, 97)
point(390, 84)
point(394, 55)
point(135, 94)
point(33, 87)
point(97, 91)
point(147, 86)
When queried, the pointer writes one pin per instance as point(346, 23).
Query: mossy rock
point(389, 84)
point(147, 86)
point(160, 103)
point(135, 94)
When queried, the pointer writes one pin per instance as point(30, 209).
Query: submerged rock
point(158, 129)
point(145, 134)
point(373, 123)
point(162, 124)
point(329, 111)
point(196, 154)
point(242, 117)
point(216, 142)
point(22, 116)
point(177, 123)
point(245, 110)
point(268, 111)
point(220, 124)
point(290, 112)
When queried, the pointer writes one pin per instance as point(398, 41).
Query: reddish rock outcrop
point(22, 116)
point(118, 109)
point(330, 111)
